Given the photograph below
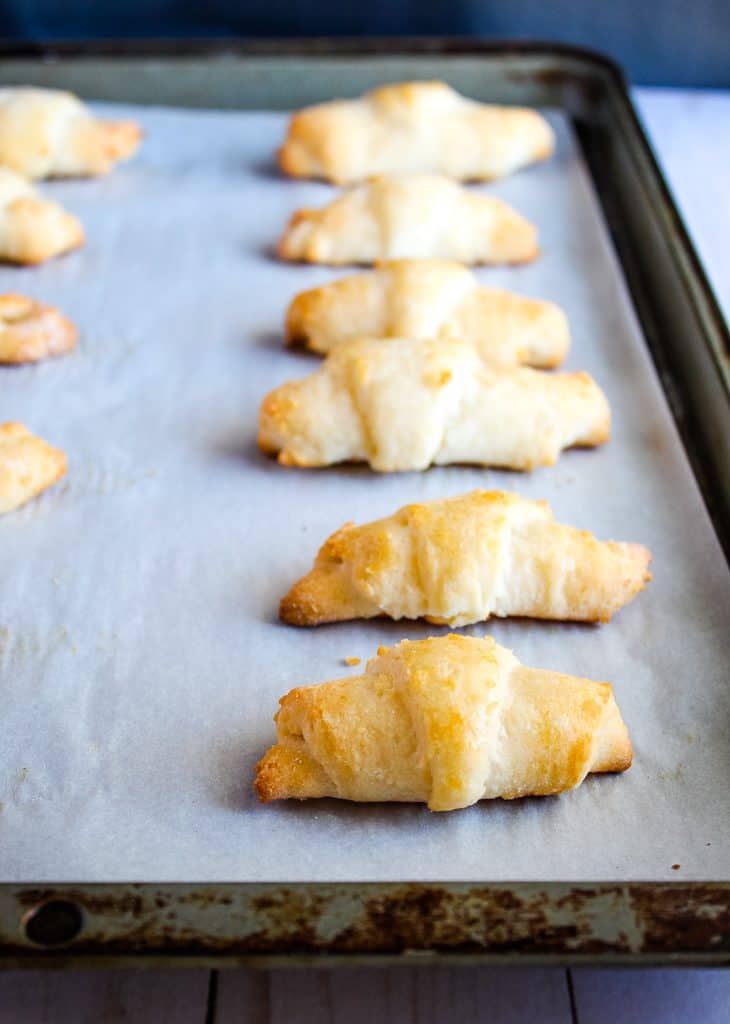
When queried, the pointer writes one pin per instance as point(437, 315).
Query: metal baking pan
point(626, 918)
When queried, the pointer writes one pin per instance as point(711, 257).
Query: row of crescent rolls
point(459, 380)
point(44, 133)
point(425, 366)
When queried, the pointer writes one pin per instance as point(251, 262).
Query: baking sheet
point(141, 659)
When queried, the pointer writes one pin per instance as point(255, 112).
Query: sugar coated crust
point(429, 300)
point(410, 404)
point(31, 330)
point(48, 133)
point(413, 127)
point(28, 466)
point(416, 216)
point(446, 721)
point(462, 560)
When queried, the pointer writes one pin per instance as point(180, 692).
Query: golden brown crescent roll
point(446, 721)
point(412, 127)
point(418, 216)
point(32, 229)
point(461, 560)
point(48, 133)
point(407, 405)
point(27, 466)
point(30, 330)
point(429, 300)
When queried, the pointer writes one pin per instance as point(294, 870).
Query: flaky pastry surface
point(446, 721)
point(33, 229)
point(413, 127)
point(31, 330)
point(418, 216)
point(28, 466)
point(429, 300)
point(48, 133)
point(461, 560)
point(406, 405)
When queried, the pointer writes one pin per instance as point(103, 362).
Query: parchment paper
point(141, 659)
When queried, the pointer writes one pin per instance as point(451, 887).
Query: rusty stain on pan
point(694, 916)
point(543, 921)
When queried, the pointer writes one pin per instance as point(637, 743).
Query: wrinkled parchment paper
point(141, 659)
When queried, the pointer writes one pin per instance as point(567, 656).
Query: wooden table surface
point(691, 134)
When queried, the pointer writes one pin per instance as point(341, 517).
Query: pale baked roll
point(48, 133)
point(413, 127)
point(417, 216)
point(31, 330)
point(32, 229)
point(461, 560)
point(429, 300)
point(28, 466)
point(446, 721)
point(406, 405)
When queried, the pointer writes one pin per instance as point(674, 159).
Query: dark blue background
point(680, 42)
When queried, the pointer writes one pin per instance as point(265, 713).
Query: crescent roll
point(30, 330)
point(406, 405)
point(411, 127)
point(446, 721)
point(461, 560)
point(414, 217)
point(48, 133)
point(32, 229)
point(429, 300)
point(28, 466)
